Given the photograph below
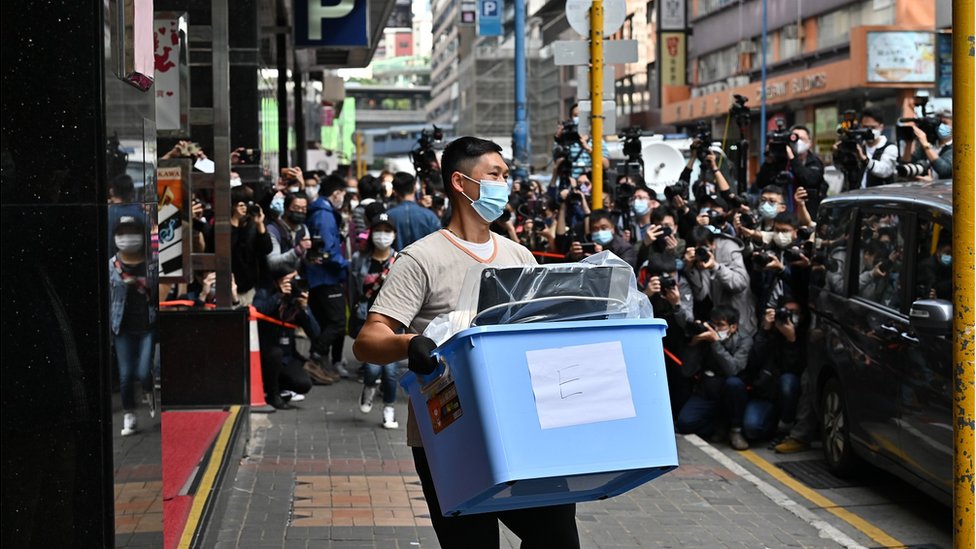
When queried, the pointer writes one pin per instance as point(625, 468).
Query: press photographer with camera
point(576, 148)
point(250, 242)
point(876, 157)
point(925, 161)
point(718, 354)
point(599, 230)
point(326, 269)
point(282, 371)
point(661, 237)
point(782, 266)
point(290, 239)
point(672, 300)
point(716, 272)
point(774, 368)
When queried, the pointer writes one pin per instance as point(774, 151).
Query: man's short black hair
point(786, 218)
point(701, 236)
point(597, 215)
point(661, 263)
point(404, 184)
point(724, 313)
point(775, 189)
point(331, 184)
point(659, 213)
point(795, 127)
point(462, 154)
point(122, 187)
point(873, 113)
point(369, 187)
point(292, 197)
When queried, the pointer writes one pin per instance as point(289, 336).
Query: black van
point(879, 344)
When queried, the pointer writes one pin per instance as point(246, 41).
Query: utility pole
point(520, 134)
point(596, 98)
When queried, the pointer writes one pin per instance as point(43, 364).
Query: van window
point(881, 258)
point(933, 261)
point(832, 244)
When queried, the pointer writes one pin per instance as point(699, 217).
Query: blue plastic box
point(530, 415)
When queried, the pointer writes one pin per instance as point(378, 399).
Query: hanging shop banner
point(339, 24)
point(172, 84)
point(490, 17)
point(943, 44)
point(901, 56)
point(672, 59)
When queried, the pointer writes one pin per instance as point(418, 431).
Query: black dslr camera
point(779, 139)
point(703, 133)
point(317, 251)
point(927, 122)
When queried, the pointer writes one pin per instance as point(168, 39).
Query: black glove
point(418, 355)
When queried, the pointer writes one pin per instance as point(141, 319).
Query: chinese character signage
point(673, 15)
point(896, 56)
point(672, 59)
point(490, 17)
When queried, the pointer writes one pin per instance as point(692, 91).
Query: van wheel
point(835, 430)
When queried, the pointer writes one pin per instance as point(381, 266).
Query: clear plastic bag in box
point(599, 287)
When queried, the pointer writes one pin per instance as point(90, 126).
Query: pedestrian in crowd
point(877, 158)
point(412, 220)
point(581, 150)
point(600, 234)
point(121, 192)
point(290, 239)
point(369, 190)
point(133, 316)
point(807, 167)
point(425, 282)
point(369, 271)
point(327, 269)
point(717, 275)
point(662, 237)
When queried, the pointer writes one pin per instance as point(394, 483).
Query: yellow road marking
point(822, 502)
point(209, 477)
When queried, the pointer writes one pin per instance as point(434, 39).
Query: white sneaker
point(341, 368)
point(366, 399)
point(128, 424)
point(389, 418)
point(291, 396)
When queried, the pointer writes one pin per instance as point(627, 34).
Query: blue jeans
point(761, 416)
point(134, 351)
point(388, 382)
point(698, 414)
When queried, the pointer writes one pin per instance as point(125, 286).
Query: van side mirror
point(931, 316)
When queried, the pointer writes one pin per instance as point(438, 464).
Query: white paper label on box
point(580, 384)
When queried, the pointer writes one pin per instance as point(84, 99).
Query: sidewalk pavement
point(324, 475)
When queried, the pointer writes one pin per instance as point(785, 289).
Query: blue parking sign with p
point(490, 17)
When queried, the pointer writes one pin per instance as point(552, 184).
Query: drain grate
point(814, 474)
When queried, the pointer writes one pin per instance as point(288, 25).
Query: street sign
point(577, 52)
point(490, 17)
point(341, 24)
point(578, 15)
point(583, 82)
point(609, 117)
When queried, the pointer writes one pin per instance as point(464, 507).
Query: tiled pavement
point(326, 476)
point(138, 481)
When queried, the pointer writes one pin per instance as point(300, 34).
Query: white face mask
point(802, 146)
point(312, 193)
point(235, 182)
point(782, 240)
point(337, 199)
point(294, 189)
point(383, 239)
point(877, 134)
point(723, 335)
point(353, 204)
point(128, 243)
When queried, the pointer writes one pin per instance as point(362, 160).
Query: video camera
point(851, 134)
point(703, 133)
point(779, 139)
point(927, 122)
point(424, 158)
point(563, 149)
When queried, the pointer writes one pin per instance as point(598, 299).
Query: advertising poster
point(171, 212)
point(672, 58)
point(898, 56)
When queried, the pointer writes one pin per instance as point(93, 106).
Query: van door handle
point(907, 337)
point(889, 329)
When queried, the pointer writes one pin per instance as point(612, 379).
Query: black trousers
point(328, 304)
point(540, 527)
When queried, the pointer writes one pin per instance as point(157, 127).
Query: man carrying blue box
point(424, 283)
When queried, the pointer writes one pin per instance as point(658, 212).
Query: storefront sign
point(172, 187)
point(794, 86)
point(900, 56)
point(673, 15)
point(673, 58)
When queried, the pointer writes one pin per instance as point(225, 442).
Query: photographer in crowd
point(720, 352)
point(576, 148)
point(286, 304)
point(877, 157)
point(782, 266)
point(935, 159)
point(290, 239)
point(601, 236)
point(717, 275)
point(250, 243)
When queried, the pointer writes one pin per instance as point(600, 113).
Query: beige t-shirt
point(425, 282)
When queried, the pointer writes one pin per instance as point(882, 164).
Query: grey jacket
point(727, 283)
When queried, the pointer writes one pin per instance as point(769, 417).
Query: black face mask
point(296, 217)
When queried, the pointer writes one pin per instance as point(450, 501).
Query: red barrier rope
point(255, 315)
point(549, 254)
point(672, 357)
